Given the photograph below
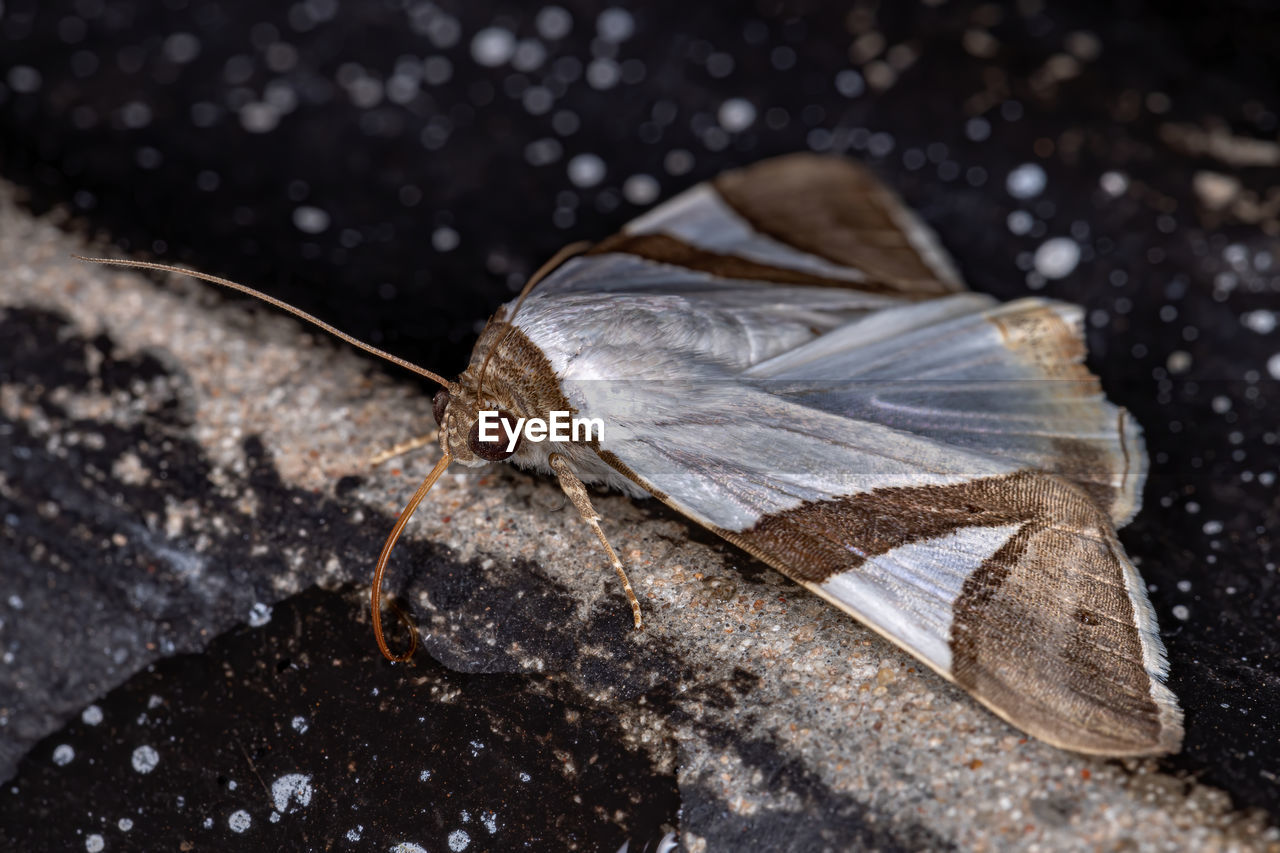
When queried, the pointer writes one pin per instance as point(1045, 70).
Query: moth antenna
point(375, 596)
point(271, 300)
point(569, 251)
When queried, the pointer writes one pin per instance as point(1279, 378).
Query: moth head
point(459, 416)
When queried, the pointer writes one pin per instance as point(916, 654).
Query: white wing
point(1002, 380)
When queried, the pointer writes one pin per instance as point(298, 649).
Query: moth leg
point(404, 447)
point(577, 494)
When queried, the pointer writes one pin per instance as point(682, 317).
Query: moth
point(786, 356)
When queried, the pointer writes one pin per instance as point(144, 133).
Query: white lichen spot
point(977, 129)
point(529, 55)
point(259, 615)
point(1114, 184)
point(490, 821)
point(181, 48)
point(145, 759)
point(95, 843)
point(135, 114)
point(553, 22)
point(880, 144)
point(539, 100)
point(1215, 190)
point(640, 189)
point(1026, 181)
point(408, 847)
point(1260, 321)
point(259, 117)
point(1212, 528)
point(15, 601)
point(459, 840)
point(736, 115)
point(125, 824)
point(1273, 366)
point(603, 74)
point(436, 70)
point(493, 46)
point(294, 787)
point(1181, 612)
point(615, 25)
point(720, 65)
point(364, 90)
point(354, 834)
point(274, 817)
point(309, 219)
point(63, 754)
point(1019, 222)
point(586, 170)
point(850, 83)
point(239, 820)
point(300, 725)
point(1057, 257)
point(91, 716)
point(678, 161)
point(445, 239)
point(542, 152)
point(1179, 361)
point(24, 79)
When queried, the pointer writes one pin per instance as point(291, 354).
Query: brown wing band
point(835, 210)
point(665, 249)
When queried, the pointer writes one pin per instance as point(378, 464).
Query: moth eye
point(495, 451)
point(438, 404)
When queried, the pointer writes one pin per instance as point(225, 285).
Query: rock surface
point(160, 495)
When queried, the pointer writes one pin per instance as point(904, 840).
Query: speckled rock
point(159, 495)
point(287, 733)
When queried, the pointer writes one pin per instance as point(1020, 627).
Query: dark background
point(209, 134)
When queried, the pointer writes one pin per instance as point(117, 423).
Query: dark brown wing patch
point(665, 249)
point(1045, 632)
point(838, 211)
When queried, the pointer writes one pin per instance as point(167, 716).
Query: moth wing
point(748, 261)
point(666, 307)
point(1004, 379)
point(798, 219)
point(757, 262)
point(1004, 577)
point(1007, 580)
